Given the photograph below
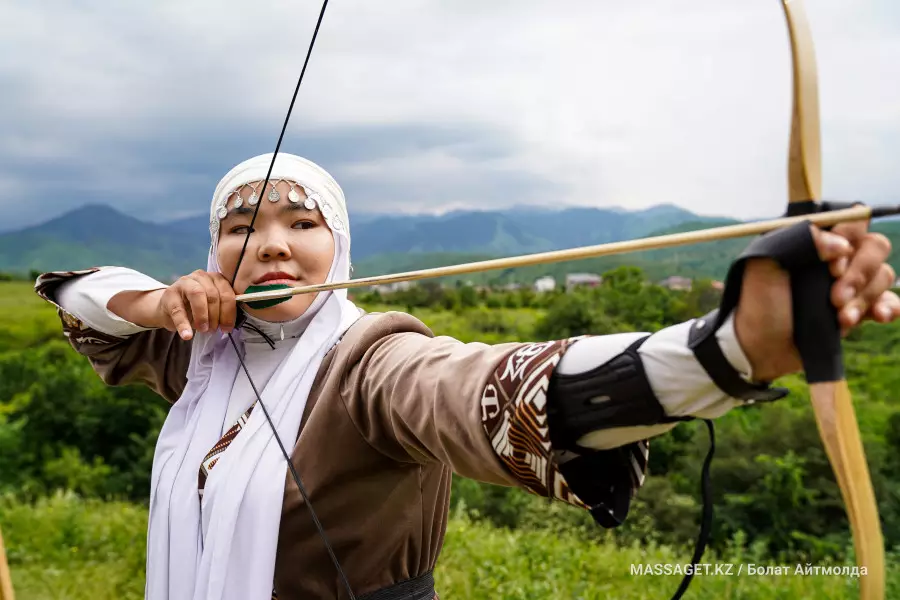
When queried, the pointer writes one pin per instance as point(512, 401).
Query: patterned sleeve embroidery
point(514, 416)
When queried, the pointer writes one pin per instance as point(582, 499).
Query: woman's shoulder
point(373, 326)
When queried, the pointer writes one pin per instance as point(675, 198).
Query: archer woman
point(375, 412)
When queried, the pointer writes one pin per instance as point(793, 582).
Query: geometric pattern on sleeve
point(514, 416)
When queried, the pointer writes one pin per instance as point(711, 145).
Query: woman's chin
point(286, 311)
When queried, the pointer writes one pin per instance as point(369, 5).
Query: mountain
point(100, 235)
point(506, 232)
point(705, 260)
point(196, 226)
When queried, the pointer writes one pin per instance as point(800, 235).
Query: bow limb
point(831, 399)
point(6, 588)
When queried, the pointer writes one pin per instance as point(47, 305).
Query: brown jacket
point(393, 412)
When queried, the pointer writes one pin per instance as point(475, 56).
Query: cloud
point(420, 105)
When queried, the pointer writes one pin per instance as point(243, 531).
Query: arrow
point(824, 219)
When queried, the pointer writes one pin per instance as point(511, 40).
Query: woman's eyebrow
point(243, 210)
point(291, 207)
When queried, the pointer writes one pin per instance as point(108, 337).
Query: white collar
point(275, 330)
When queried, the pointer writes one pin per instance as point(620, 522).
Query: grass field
point(64, 548)
point(25, 319)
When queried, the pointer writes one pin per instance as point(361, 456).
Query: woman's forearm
point(138, 307)
point(89, 298)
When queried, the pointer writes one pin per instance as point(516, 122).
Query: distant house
point(389, 288)
point(676, 282)
point(717, 285)
point(544, 284)
point(574, 280)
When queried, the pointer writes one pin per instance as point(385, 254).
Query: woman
point(376, 412)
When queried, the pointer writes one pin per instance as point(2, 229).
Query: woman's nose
point(274, 247)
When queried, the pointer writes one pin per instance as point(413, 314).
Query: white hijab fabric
point(242, 501)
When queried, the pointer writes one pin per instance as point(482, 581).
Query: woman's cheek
point(317, 251)
point(228, 252)
point(327, 245)
point(227, 257)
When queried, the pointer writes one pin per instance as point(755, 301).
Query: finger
point(859, 308)
point(863, 268)
point(839, 267)
point(835, 252)
point(830, 246)
point(876, 290)
point(862, 306)
point(212, 299)
point(227, 303)
point(195, 294)
point(852, 231)
point(886, 308)
point(175, 310)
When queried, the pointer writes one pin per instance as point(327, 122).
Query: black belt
point(417, 588)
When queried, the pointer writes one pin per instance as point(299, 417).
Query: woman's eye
point(304, 225)
point(240, 229)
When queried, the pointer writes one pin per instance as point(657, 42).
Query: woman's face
point(290, 245)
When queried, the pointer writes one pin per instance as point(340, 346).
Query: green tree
point(468, 297)
point(62, 418)
point(573, 315)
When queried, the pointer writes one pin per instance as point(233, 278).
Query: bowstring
point(287, 118)
point(287, 458)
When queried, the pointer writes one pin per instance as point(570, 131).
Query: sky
point(436, 105)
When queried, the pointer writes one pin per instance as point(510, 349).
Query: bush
point(62, 427)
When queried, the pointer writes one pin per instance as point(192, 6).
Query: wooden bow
point(6, 588)
point(831, 400)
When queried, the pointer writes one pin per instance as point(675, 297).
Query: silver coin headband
point(313, 200)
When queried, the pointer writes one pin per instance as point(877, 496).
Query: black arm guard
point(617, 393)
point(613, 394)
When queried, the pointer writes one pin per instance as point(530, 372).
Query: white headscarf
point(242, 498)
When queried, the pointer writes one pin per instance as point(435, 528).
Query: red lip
point(275, 276)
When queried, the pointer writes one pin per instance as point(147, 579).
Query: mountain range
point(100, 235)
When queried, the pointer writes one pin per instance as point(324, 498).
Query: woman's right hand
point(201, 301)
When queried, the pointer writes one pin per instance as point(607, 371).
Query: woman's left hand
point(862, 291)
